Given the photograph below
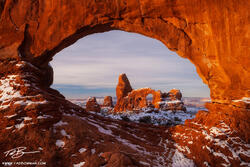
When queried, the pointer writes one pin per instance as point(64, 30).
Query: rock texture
point(92, 105)
point(213, 35)
point(136, 100)
point(174, 94)
point(108, 102)
point(40, 119)
point(123, 87)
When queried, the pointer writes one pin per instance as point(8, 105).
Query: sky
point(91, 66)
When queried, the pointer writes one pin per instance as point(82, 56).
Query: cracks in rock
point(113, 18)
point(179, 29)
point(11, 19)
point(2, 5)
point(194, 23)
point(140, 8)
point(174, 17)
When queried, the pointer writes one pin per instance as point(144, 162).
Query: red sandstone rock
point(214, 35)
point(92, 105)
point(117, 159)
point(137, 99)
point(30, 31)
point(123, 87)
point(175, 94)
point(172, 105)
point(108, 102)
point(47, 118)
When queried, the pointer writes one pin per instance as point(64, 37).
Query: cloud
point(96, 61)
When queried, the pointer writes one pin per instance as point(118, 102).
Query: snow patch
point(244, 99)
point(93, 151)
point(60, 123)
point(64, 133)
point(10, 116)
point(20, 126)
point(79, 165)
point(44, 116)
point(60, 143)
point(179, 160)
point(81, 150)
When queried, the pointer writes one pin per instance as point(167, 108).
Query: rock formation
point(172, 105)
point(175, 94)
point(137, 99)
point(108, 102)
point(172, 101)
point(92, 105)
point(123, 87)
point(30, 31)
point(212, 34)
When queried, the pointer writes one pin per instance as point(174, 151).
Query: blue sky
point(91, 66)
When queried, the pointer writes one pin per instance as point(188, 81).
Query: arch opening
point(92, 65)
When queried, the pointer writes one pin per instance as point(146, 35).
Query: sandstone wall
point(214, 35)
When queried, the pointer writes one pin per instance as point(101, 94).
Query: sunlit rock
point(92, 105)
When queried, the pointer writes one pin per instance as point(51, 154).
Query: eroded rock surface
point(108, 102)
point(92, 105)
point(137, 99)
point(40, 119)
point(213, 35)
point(123, 87)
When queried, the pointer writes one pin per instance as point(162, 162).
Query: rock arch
point(213, 35)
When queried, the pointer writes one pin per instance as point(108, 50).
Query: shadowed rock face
point(213, 35)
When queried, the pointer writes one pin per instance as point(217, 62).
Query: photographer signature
point(18, 152)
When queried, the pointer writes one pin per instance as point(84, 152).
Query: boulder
point(175, 94)
point(117, 159)
point(108, 102)
point(172, 105)
point(92, 105)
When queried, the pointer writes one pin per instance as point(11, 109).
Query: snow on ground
point(44, 116)
point(155, 117)
point(82, 150)
point(64, 133)
point(29, 102)
point(60, 143)
point(10, 116)
point(7, 91)
point(20, 126)
point(244, 99)
point(220, 136)
point(79, 165)
point(60, 123)
point(10, 88)
point(179, 160)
